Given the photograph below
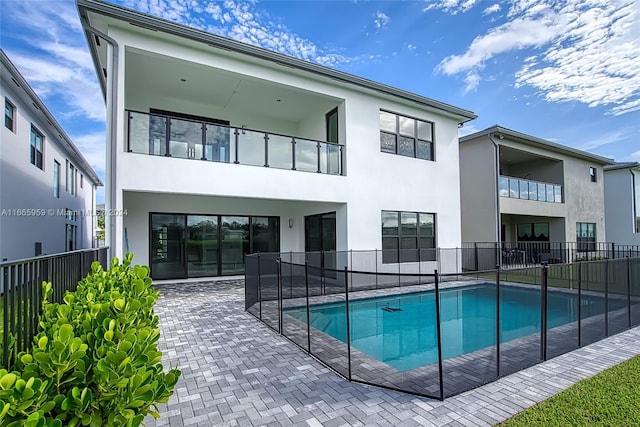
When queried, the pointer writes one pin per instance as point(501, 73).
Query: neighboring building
point(47, 188)
point(622, 203)
point(217, 148)
point(517, 188)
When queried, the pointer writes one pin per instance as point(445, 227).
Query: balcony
point(524, 189)
point(161, 135)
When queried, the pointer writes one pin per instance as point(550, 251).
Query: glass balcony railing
point(518, 188)
point(160, 135)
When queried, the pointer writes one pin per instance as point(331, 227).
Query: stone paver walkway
point(238, 372)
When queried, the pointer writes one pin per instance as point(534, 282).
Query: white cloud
point(492, 9)
point(607, 138)
point(635, 156)
point(411, 46)
point(92, 147)
point(451, 6)
point(585, 51)
point(242, 21)
point(514, 35)
point(382, 20)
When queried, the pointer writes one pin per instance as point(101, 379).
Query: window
point(9, 115)
point(408, 237)
point(71, 174)
point(586, 236)
point(37, 147)
point(635, 180)
point(593, 173)
point(406, 136)
point(81, 181)
point(332, 125)
point(56, 179)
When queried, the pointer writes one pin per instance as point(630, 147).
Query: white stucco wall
point(25, 186)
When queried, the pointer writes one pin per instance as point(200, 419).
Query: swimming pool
point(401, 330)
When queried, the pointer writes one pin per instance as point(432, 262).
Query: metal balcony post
point(318, 154)
point(293, 154)
point(266, 150)
point(235, 143)
point(204, 142)
point(167, 137)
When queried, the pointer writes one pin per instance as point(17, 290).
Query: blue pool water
point(401, 330)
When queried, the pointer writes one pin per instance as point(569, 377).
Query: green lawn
point(611, 398)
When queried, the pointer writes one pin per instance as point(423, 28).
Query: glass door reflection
point(167, 246)
point(202, 245)
point(234, 243)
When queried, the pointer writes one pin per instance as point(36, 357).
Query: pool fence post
point(279, 264)
point(346, 297)
point(322, 273)
point(498, 337)
point(376, 255)
point(579, 303)
point(475, 251)
point(306, 283)
point(350, 267)
point(291, 274)
point(629, 290)
point(259, 289)
point(543, 313)
point(437, 295)
point(606, 297)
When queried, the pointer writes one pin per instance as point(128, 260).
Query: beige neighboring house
point(622, 203)
point(523, 190)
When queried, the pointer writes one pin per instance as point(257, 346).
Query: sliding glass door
point(167, 246)
point(183, 245)
point(202, 245)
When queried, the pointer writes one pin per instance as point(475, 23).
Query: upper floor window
point(586, 236)
point(408, 236)
point(593, 174)
point(56, 179)
point(37, 147)
point(71, 175)
point(9, 115)
point(406, 136)
point(81, 181)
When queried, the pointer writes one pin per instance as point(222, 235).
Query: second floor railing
point(161, 135)
point(525, 189)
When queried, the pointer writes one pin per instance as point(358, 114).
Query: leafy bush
point(95, 361)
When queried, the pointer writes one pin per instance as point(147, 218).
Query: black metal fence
point(21, 293)
point(486, 255)
point(459, 330)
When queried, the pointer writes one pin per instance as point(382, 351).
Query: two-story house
point(47, 188)
point(622, 203)
point(530, 193)
point(217, 148)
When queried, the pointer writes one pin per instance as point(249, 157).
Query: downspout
point(111, 135)
point(635, 201)
point(497, 192)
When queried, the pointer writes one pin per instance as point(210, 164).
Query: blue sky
point(567, 71)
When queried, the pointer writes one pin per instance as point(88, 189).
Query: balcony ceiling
point(512, 156)
point(203, 85)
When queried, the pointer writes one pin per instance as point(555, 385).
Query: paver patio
point(238, 372)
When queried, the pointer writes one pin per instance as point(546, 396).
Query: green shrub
point(95, 361)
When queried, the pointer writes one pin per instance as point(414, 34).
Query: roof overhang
point(502, 132)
